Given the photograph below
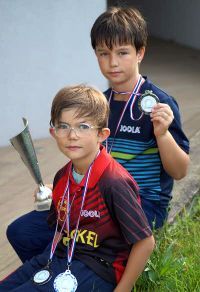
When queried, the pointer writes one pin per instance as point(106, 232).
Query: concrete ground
point(174, 68)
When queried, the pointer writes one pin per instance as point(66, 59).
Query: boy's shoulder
point(108, 172)
point(116, 176)
point(60, 173)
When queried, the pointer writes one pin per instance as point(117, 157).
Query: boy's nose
point(113, 61)
point(72, 134)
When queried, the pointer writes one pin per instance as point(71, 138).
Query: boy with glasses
point(102, 239)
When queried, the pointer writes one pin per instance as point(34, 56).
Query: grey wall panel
point(44, 45)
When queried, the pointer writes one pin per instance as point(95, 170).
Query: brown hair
point(119, 26)
point(88, 101)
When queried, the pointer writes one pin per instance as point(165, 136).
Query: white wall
point(44, 45)
point(176, 20)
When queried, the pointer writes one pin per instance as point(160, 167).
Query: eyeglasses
point(63, 130)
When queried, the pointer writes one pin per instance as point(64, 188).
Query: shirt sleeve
point(122, 201)
point(176, 127)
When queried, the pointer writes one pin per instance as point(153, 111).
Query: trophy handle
point(43, 198)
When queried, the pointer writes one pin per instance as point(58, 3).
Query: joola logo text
point(91, 213)
point(129, 129)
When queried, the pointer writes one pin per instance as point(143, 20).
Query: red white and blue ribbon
point(132, 99)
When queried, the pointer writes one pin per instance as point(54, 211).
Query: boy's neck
point(124, 87)
point(81, 166)
point(124, 90)
point(121, 97)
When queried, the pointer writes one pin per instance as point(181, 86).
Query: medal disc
point(147, 101)
point(65, 282)
point(42, 277)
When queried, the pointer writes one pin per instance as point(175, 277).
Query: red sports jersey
point(111, 220)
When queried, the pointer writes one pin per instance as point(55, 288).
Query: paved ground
point(174, 68)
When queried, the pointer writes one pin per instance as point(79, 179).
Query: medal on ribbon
point(65, 282)
point(42, 277)
point(147, 101)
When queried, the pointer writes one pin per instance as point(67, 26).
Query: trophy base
point(43, 205)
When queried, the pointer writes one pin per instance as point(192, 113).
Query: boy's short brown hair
point(119, 26)
point(88, 101)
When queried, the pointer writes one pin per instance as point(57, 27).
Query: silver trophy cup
point(23, 144)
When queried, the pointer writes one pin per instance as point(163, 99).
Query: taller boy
point(152, 148)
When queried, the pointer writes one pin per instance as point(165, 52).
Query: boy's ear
point(103, 134)
point(52, 132)
point(140, 54)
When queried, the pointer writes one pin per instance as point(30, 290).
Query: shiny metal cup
point(23, 144)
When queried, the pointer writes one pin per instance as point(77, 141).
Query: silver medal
point(65, 282)
point(42, 277)
point(147, 101)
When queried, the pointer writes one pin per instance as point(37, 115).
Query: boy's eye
point(123, 53)
point(83, 127)
point(103, 54)
point(63, 126)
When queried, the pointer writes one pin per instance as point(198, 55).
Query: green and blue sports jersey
point(135, 146)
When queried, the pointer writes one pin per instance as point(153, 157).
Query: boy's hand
point(161, 117)
point(50, 186)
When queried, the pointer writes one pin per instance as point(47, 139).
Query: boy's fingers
point(162, 110)
point(50, 186)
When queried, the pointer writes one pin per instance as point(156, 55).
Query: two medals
point(65, 282)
